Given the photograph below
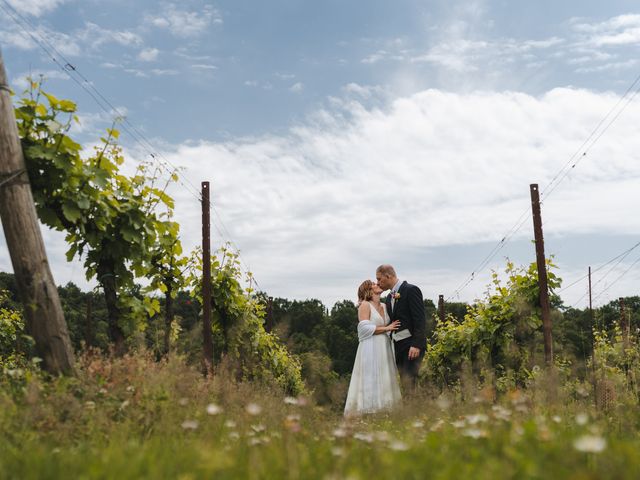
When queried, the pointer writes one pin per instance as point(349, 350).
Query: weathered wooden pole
point(542, 274)
point(207, 338)
point(441, 307)
point(36, 287)
point(624, 325)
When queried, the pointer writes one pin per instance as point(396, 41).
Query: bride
point(374, 382)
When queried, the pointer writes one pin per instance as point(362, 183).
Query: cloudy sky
point(340, 135)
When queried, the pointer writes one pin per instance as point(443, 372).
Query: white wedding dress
point(374, 382)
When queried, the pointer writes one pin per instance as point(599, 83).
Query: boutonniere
point(396, 296)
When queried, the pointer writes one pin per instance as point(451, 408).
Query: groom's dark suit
point(409, 309)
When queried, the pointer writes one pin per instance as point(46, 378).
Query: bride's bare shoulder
point(364, 310)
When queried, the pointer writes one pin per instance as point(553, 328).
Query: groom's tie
point(393, 299)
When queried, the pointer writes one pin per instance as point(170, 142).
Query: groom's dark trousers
point(408, 369)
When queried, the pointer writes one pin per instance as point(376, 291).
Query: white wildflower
point(190, 424)
point(230, 424)
point(590, 444)
point(476, 418)
point(183, 402)
point(437, 426)
point(582, 418)
point(501, 413)
point(418, 424)
point(474, 433)
point(258, 428)
point(254, 409)
point(339, 433)
point(291, 400)
point(365, 437)
point(213, 409)
point(398, 446)
point(89, 405)
point(459, 423)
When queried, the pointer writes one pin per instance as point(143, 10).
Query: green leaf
point(67, 106)
point(53, 101)
point(84, 203)
point(71, 211)
point(71, 253)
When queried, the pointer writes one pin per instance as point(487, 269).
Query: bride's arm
point(364, 315)
point(392, 327)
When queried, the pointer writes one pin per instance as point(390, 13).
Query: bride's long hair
point(365, 291)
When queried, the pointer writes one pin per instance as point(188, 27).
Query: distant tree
point(342, 336)
point(305, 315)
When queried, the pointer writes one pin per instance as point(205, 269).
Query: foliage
point(11, 327)
point(238, 325)
point(502, 332)
point(135, 417)
point(15, 346)
point(109, 218)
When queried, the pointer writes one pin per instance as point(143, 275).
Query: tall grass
point(136, 418)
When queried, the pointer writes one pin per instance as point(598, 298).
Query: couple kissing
point(391, 341)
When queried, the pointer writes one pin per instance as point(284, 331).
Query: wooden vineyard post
point(207, 338)
point(441, 307)
point(590, 300)
point(36, 287)
point(268, 324)
point(542, 274)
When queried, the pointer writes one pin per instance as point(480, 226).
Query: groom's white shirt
point(395, 289)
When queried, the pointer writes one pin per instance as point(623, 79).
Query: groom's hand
point(414, 353)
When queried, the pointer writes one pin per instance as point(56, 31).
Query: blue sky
point(340, 135)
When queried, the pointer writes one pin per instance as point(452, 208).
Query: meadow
point(134, 417)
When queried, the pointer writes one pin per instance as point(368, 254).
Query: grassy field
point(135, 418)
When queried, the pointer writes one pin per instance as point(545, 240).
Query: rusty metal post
point(542, 273)
point(206, 281)
point(268, 324)
point(590, 301)
point(441, 307)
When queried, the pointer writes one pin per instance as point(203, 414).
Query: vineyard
point(177, 366)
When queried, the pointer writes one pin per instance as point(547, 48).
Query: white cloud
point(203, 66)
point(315, 210)
point(609, 67)
point(620, 30)
point(96, 36)
point(297, 87)
point(21, 81)
point(184, 23)
point(36, 8)
point(13, 36)
point(149, 54)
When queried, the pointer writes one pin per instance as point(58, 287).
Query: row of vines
point(122, 226)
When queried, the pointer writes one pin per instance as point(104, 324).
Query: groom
point(405, 303)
